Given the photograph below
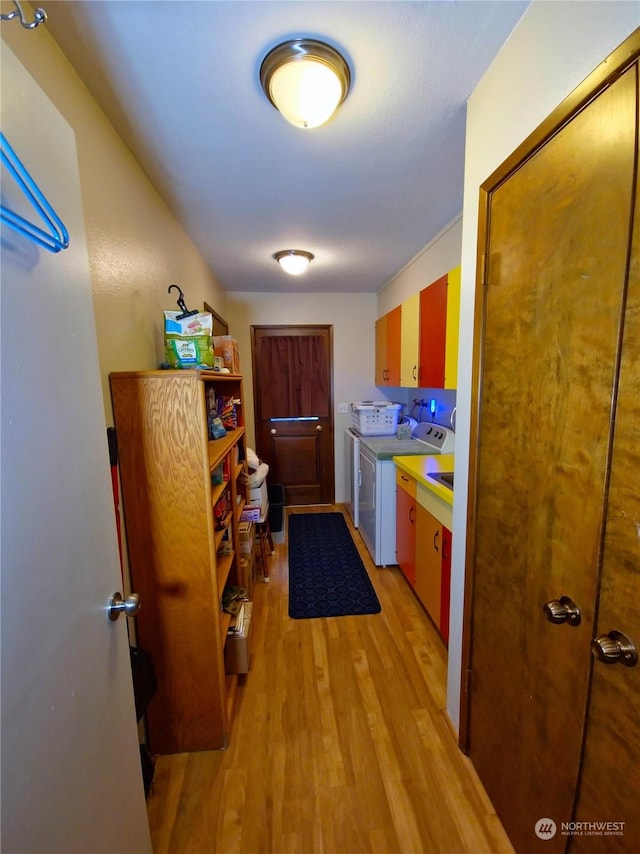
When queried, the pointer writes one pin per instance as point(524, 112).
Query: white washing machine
point(378, 506)
point(377, 490)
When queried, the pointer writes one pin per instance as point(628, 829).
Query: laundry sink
point(443, 477)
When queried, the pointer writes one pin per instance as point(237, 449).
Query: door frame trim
point(603, 76)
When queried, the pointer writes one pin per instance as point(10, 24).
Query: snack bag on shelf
point(188, 341)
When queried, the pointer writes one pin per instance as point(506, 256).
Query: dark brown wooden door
point(610, 780)
point(556, 271)
point(293, 398)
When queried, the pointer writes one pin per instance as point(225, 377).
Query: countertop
point(388, 447)
point(419, 467)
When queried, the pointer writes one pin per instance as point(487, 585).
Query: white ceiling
point(364, 193)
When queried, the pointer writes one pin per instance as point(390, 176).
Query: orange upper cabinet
point(381, 350)
point(417, 342)
point(439, 325)
point(388, 333)
point(410, 342)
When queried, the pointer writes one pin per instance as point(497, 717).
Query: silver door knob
point(563, 610)
point(613, 648)
point(319, 428)
point(273, 431)
point(117, 605)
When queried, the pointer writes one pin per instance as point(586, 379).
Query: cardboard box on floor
point(237, 649)
point(247, 536)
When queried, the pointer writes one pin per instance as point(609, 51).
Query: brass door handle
point(615, 648)
point(319, 428)
point(273, 431)
point(563, 610)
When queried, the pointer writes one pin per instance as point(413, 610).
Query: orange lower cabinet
point(445, 592)
point(406, 527)
point(428, 562)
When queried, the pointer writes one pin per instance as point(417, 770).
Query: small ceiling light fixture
point(294, 261)
point(306, 80)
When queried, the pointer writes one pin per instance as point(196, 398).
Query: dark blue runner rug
point(326, 575)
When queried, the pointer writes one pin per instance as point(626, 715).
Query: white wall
point(436, 258)
point(353, 318)
point(136, 246)
point(553, 48)
point(440, 255)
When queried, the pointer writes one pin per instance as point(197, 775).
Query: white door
point(71, 777)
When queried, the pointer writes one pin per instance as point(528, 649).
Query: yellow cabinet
point(410, 342)
point(453, 328)
point(428, 582)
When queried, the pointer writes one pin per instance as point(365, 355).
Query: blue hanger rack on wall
point(57, 236)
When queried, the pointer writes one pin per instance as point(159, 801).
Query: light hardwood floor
point(339, 743)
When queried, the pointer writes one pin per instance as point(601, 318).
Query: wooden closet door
point(556, 273)
point(610, 784)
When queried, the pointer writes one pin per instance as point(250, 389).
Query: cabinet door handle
point(273, 431)
point(413, 372)
point(435, 540)
point(412, 511)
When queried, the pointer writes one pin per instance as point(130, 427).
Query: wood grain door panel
point(609, 789)
point(548, 354)
point(297, 458)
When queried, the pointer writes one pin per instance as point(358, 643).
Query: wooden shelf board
point(217, 491)
point(225, 622)
point(239, 510)
point(223, 568)
point(219, 448)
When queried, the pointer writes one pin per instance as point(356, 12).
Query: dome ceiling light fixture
point(294, 261)
point(306, 80)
